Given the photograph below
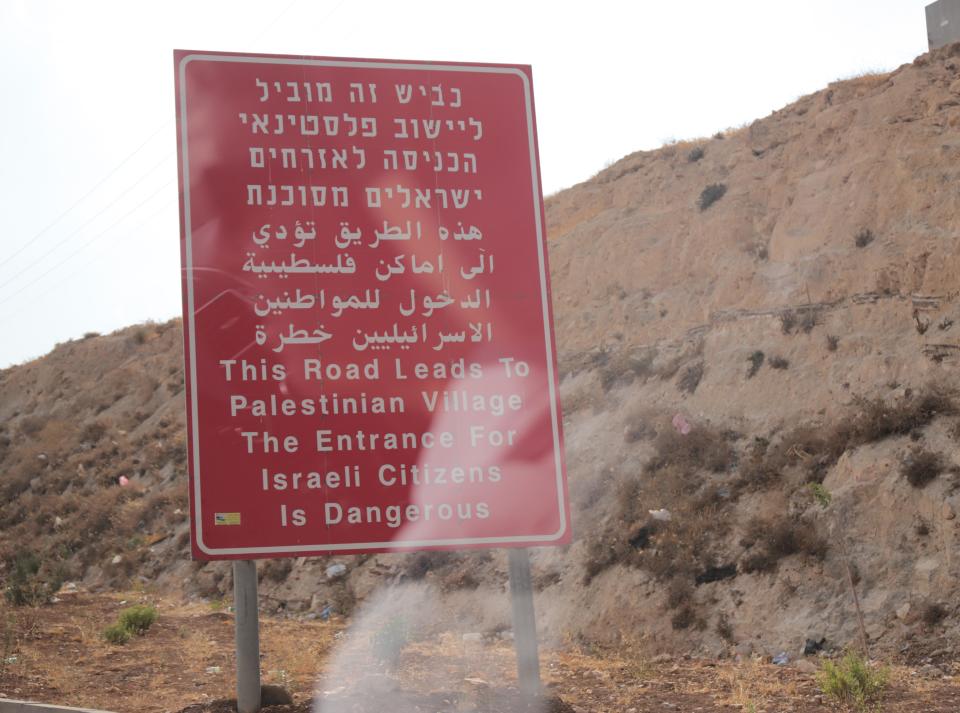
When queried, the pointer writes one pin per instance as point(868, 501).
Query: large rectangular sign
point(369, 353)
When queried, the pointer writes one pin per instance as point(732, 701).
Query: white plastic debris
point(681, 424)
point(117, 559)
point(336, 570)
point(663, 515)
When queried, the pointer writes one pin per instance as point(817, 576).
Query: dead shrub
point(703, 448)
point(276, 570)
point(788, 320)
point(690, 378)
point(710, 195)
point(808, 320)
point(418, 564)
point(920, 467)
point(771, 540)
point(696, 153)
point(679, 593)
point(933, 613)
point(30, 426)
point(778, 362)
point(638, 426)
point(724, 628)
point(687, 618)
point(815, 449)
point(863, 238)
point(833, 342)
point(756, 361)
point(626, 365)
point(93, 431)
point(879, 420)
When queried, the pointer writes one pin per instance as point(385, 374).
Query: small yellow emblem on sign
point(226, 518)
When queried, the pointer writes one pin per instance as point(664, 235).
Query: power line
point(88, 221)
point(87, 244)
point(109, 175)
point(166, 205)
point(87, 194)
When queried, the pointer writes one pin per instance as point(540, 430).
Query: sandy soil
point(56, 654)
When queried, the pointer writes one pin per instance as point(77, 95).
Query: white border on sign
point(535, 184)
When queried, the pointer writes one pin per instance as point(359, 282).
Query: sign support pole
point(524, 622)
point(248, 635)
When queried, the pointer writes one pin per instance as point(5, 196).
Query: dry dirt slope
point(802, 325)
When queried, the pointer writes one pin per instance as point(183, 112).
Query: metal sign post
point(524, 623)
point(248, 635)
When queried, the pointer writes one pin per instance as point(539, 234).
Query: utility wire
point(109, 175)
point(87, 244)
point(86, 222)
point(87, 194)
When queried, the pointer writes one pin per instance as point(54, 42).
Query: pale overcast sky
point(89, 191)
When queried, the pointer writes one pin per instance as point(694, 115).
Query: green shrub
point(852, 681)
point(820, 494)
point(137, 619)
point(116, 634)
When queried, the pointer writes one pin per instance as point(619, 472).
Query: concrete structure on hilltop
point(943, 23)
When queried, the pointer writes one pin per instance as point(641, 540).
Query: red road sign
point(370, 358)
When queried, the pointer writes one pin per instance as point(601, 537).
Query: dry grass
point(704, 448)
point(770, 540)
point(673, 478)
point(815, 449)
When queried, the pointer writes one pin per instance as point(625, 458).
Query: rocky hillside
point(759, 337)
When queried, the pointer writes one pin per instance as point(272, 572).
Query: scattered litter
point(117, 559)
point(11, 659)
point(781, 659)
point(326, 612)
point(68, 588)
point(178, 511)
point(42, 456)
point(123, 480)
point(213, 669)
point(663, 515)
point(336, 570)
point(57, 521)
point(681, 424)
